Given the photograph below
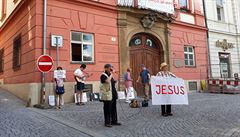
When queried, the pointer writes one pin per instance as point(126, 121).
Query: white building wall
point(227, 29)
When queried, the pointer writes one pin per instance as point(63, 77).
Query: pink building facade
point(189, 50)
point(89, 32)
point(96, 33)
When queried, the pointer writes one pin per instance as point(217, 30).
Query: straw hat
point(163, 65)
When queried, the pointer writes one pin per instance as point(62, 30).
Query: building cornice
point(189, 25)
point(92, 3)
point(221, 22)
point(223, 32)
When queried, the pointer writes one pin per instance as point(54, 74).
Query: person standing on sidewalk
point(128, 84)
point(166, 109)
point(80, 77)
point(108, 95)
point(145, 78)
point(59, 89)
point(114, 117)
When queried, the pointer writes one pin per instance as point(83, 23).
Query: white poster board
point(51, 100)
point(59, 73)
point(168, 90)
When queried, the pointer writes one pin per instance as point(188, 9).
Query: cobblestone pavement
point(207, 115)
point(18, 121)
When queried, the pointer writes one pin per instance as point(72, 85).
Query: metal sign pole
point(43, 90)
point(57, 58)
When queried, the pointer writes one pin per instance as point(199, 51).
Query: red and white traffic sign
point(45, 63)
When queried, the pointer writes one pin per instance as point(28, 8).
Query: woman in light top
point(166, 109)
point(128, 84)
point(59, 90)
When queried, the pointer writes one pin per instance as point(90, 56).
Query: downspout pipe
point(234, 7)
point(208, 43)
point(43, 88)
point(44, 26)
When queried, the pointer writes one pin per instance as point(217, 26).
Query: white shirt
point(59, 82)
point(78, 72)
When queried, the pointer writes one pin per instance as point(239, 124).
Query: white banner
point(59, 73)
point(168, 91)
point(158, 5)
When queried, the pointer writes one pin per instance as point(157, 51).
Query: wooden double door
point(144, 49)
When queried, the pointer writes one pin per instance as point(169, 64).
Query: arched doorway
point(144, 49)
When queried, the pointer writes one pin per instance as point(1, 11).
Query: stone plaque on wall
point(178, 63)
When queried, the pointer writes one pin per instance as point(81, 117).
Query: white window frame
point(82, 43)
point(219, 4)
point(187, 6)
point(189, 53)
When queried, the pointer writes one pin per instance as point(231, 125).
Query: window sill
point(185, 10)
point(190, 66)
point(221, 21)
point(17, 68)
point(80, 62)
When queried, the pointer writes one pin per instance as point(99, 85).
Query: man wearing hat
point(166, 109)
point(109, 96)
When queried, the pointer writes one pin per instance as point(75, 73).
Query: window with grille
point(1, 60)
point(192, 85)
point(189, 56)
point(16, 53)
point(82, 47)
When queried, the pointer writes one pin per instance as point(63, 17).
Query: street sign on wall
point(45, 63)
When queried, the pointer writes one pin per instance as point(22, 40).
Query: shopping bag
point(131, 93)
point(121, 95)
point(84, 97)
point(51, 100)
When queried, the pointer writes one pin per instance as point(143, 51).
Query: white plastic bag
point(84, 97)
point(131, 94)
point(51, 100)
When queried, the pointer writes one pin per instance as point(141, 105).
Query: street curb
point(69, 124)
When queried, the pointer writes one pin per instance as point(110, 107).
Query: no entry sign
point(45, 63)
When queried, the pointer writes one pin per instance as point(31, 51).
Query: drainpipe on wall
point(208, 43)
point(43, 88)
point(236, 29)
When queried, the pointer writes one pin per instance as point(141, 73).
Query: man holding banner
point(167, 89)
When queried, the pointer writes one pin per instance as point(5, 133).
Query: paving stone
point(207, 115)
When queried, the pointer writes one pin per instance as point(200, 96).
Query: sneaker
point(116, 124)
point(170, 114)
point(78, 104)
point(81, 104)
point(164, 114)
point(108, 125)
point(128, 101)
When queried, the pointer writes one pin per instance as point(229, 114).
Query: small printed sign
point(59, 73)
point(56, 40)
